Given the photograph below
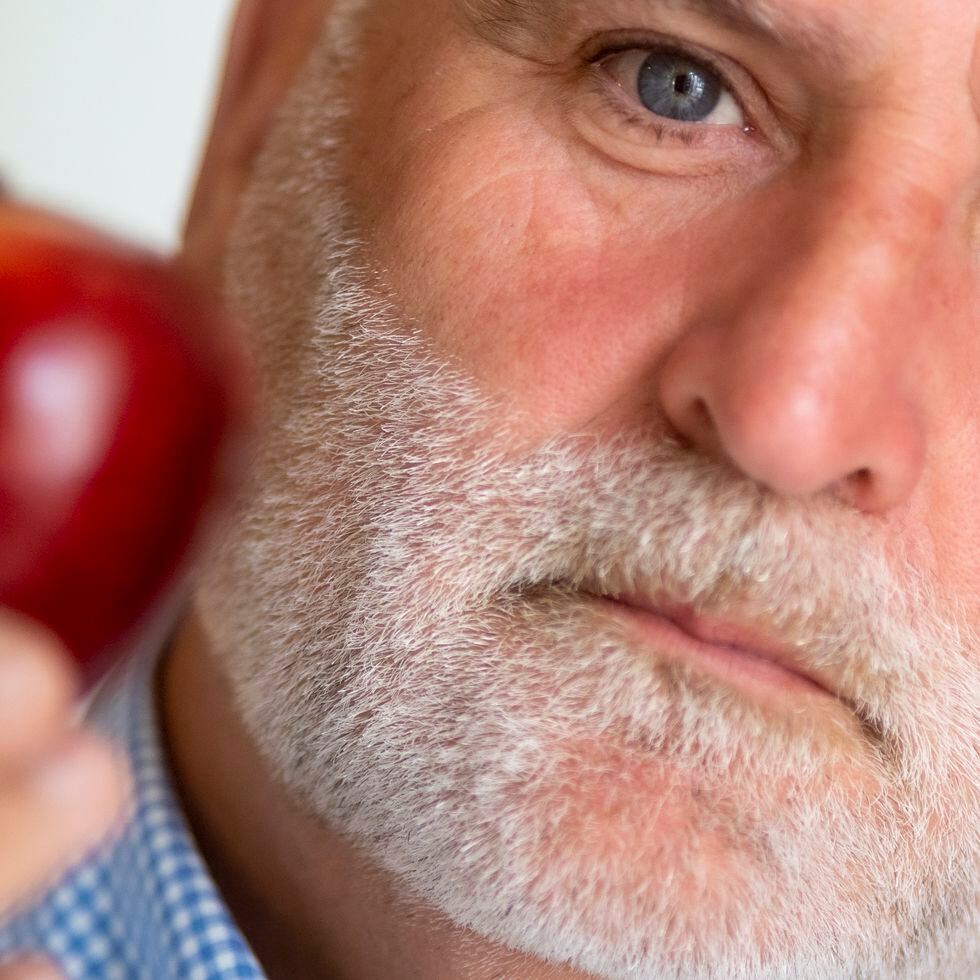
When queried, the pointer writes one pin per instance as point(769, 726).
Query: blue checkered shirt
point(144, 906)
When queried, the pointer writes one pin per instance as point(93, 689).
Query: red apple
point(122, 414)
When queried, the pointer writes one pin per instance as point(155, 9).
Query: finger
point(52, 814)
point(30, 968)
point(37, 688)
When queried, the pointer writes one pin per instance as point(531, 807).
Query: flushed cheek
point(556, 288)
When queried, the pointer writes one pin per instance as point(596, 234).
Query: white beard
point(400, 613)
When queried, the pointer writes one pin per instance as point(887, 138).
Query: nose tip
point(799, 433)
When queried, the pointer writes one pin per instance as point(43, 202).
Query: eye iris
point(675, 87)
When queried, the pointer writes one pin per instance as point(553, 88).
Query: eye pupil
point(684, 84)
point(678, 88)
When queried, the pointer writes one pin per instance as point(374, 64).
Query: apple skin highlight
point(124, 419)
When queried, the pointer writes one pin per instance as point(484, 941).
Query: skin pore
point(629, 336)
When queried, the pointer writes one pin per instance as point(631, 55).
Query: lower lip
point(735, 666)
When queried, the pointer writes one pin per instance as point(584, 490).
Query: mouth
point(741, 655)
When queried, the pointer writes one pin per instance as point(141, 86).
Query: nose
point(804, 369)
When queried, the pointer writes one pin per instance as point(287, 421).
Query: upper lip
point(749, 636)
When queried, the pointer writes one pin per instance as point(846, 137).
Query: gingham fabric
point(144, 906)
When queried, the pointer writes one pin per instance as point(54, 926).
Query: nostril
point(858, 489)
point(702, 425)
point(696, 426)
point(702, 414)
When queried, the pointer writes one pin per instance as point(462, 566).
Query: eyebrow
point(512, 23)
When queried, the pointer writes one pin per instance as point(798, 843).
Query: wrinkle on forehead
point(800, 24)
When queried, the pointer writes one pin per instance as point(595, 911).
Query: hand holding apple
point(122, 417)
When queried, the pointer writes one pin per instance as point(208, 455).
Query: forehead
point(841, 26)
point(546, 14)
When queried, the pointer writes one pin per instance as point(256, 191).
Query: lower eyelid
point(605, 123)
point(660, 130)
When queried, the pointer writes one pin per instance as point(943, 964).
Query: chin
point(622, 864)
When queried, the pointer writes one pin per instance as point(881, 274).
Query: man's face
point(799, 270)
point(610, 573)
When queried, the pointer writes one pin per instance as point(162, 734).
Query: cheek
point(555, 290)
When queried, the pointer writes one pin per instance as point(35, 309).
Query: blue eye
point(675, 86)
point(678, 88)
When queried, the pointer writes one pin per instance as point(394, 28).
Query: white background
point(104, 104)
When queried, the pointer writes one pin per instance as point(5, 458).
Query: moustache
point(643, 516)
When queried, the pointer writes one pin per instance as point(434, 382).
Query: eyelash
point(636, 118)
